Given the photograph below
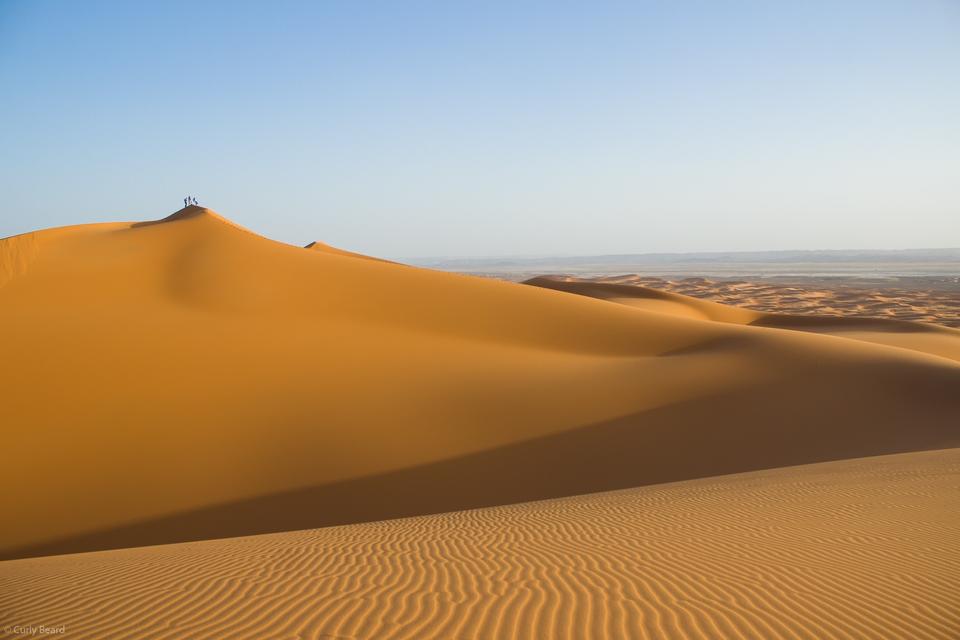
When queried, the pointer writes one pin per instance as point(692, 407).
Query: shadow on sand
point(740, 431)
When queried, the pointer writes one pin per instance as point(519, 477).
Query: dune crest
point(326, 248)
point(188, 378)
point(16, 253)
point(196, 211)
point(923, 337)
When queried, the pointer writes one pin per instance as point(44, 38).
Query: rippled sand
point(864, 548)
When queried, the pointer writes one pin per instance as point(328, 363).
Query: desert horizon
point(480, 321)
point(223, 385)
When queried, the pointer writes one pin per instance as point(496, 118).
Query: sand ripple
point(864, 548)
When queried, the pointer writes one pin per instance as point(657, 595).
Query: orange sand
point(928, 338)
point(188, 379)
point(863, 548)
point(933, 305)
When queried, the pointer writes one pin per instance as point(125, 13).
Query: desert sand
point(863, 548)
point(934, 303)
point(326, 248)
point(187, 379)
point(855, 323)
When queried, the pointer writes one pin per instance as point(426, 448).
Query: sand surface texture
point(188, 379)
point(865, 548)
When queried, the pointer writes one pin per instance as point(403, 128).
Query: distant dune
point(863, 548)
point(927, 300)
point(187, 379)
point(928, 338)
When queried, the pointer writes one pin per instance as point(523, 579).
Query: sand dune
point(931, 300)
point(861, 548)
point(924, 337)
point(187, 379)
point(326, 248)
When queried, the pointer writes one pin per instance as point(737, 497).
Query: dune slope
point(187, 378)
point(928, 299)
point(326, 248)
point(923, 337)
point(862, 548)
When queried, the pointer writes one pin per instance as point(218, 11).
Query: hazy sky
point(492, 128)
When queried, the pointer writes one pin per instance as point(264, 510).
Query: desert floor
point(931, 302)
point(542, 459)
point(863, 548)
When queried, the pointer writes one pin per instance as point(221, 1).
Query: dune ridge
point(862, 548)
point(935, 301)
point(924, 337)
point(187, 378)
point(326, 248)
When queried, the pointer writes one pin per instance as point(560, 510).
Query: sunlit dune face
point(188, 379)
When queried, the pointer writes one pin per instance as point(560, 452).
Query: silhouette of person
point(186, 201)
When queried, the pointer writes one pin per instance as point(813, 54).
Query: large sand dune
point(863, 549)
point(187, 379)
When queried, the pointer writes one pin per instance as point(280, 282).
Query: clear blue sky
point(492, 128)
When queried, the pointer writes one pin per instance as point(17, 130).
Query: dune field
point(929, 304)
point(186, 379)
point(855, 324)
